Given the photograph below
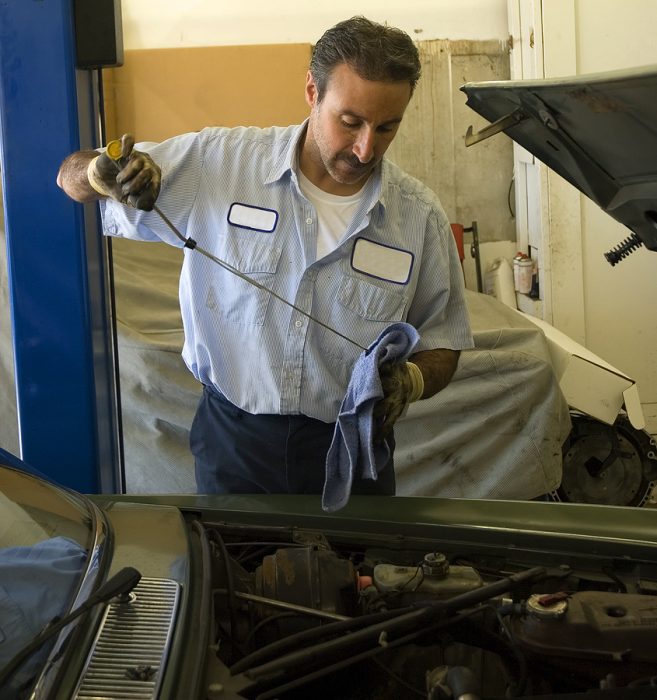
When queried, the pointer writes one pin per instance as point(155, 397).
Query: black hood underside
point(597, 131)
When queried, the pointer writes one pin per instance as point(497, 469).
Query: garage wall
point(159, 93)
point(149, 24)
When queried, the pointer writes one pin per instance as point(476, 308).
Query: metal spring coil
point(627, 247)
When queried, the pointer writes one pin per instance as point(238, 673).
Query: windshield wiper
point(122, 582)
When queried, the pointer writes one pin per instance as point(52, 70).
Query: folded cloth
point(352, 453)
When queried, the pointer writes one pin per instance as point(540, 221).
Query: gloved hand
point(131, 177)
point(402, 383)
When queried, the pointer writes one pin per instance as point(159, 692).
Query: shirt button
point(309, 221)
point(298, 324)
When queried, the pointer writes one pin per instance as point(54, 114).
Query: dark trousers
point(239, 452)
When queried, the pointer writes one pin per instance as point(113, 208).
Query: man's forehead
point(349, 93)
point(382, 111)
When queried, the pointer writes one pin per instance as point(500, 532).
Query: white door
point(604, 308)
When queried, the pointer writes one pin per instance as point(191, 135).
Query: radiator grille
point(130, 650)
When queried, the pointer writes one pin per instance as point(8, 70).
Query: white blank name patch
point(254, 218)
point(382, 261)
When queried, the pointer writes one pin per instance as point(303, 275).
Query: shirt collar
point(285, 159)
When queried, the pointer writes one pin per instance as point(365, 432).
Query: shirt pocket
point(362, 312)
point(237, 300)
point(371, 301)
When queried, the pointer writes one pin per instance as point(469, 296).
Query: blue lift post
point(57, 261)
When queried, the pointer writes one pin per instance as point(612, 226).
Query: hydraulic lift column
point(65, 371)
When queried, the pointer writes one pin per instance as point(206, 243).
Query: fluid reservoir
point(590, 630)
point(433, 579)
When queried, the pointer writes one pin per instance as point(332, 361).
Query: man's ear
point(311, 90)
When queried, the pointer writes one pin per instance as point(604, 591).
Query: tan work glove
point(402, 384)
point(129, 176)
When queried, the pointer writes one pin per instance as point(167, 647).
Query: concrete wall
point(473, 183)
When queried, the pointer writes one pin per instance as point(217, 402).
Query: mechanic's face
point(350, 129)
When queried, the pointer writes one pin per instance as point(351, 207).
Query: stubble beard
point(355, 170)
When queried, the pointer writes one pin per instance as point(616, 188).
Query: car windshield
point(46, 539)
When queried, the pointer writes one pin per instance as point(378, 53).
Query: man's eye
point(349, 125)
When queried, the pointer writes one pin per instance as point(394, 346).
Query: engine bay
point(303, 613)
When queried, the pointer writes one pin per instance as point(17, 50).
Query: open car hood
point(598, 131)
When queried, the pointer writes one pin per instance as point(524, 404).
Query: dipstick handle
point(113, 149)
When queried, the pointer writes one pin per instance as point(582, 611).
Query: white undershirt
point(334, 213)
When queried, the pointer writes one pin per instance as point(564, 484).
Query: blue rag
point(352, 452)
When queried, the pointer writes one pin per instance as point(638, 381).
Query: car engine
point(301, 614)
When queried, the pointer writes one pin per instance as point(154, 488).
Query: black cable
point(508, 198)
point(344, 626)
point(622, 587)
point(457, 619)
point(420, 614)
point(263, 549)
point(506, 649)
point(268, 620)
point(344, 662)
point(521, 684)
point(230, 586)
point(265, 544)
point(419, 571)
point(199, 641)
point(252, 553)
point(398, 594)
point(311, 635)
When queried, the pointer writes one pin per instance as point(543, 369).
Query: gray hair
point(374, 51)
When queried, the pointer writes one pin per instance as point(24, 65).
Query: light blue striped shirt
point(235, 192)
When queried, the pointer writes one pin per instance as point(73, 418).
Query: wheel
point(607, 464)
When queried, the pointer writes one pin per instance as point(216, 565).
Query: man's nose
point(364, 145)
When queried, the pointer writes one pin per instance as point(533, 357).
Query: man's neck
point(320, 177)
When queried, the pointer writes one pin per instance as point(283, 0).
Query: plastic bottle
point(523, 272)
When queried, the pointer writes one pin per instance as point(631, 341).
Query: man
point(314, 213)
